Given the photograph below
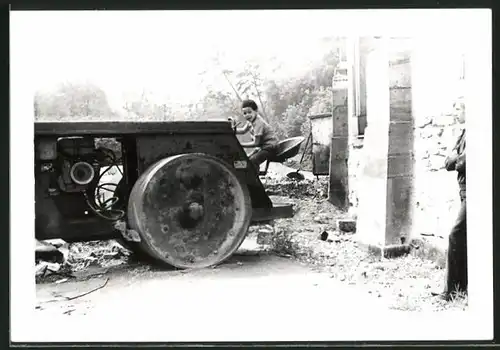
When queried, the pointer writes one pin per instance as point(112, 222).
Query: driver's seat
point(285, 149)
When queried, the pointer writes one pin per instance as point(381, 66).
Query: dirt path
point(277, 290)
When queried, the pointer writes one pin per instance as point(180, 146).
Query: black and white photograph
point(251, 176)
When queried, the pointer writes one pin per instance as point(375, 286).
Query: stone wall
point(437, 197)
point(437, 82)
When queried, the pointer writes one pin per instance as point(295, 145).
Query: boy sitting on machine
point(264, 138)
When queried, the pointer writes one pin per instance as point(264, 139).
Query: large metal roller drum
point(191, 210)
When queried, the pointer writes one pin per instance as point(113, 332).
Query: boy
point(263, 135)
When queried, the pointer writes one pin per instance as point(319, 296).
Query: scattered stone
point(353, 213)
point(322, 218)
point(64, 250)
point(346, 225)
point(53, 267)
point(41, 246)
point(47, 252)
point(45, 268)
point(56, 242)
point(41, 269)
point(112, 255)
point(423, 122)
point(265, 235)
point(266, 229)
point(444, 120)
point(323, 236)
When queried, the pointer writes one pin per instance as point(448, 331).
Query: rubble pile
point(56, 259)
point(307, 188)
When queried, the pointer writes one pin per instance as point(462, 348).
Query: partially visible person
point(263, 135)
point(456, 264)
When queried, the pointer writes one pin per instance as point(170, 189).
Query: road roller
point(183, 193)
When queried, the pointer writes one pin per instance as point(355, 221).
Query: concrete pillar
point(401, 160)
point(338, 190)
point(353, 102)
point(360, 47)
point(353, 87)
point(385, 207)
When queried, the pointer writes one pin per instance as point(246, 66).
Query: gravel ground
point(407, 281)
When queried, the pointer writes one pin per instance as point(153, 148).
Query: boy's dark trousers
point(456, 265)
point(261, 156)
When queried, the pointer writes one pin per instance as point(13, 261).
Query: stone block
point(339, 172)
point(338, 192)
point(399, 209)
point(340, 122)
point(345, 225)
point(401, 104)
point(400, 137)
point(339, 98)
point(400, 165)
point(265, 235)
point(400, 70)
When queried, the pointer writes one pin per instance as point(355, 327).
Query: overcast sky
point(164, 51)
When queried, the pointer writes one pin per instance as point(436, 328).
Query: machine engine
point(77, 164)
point(72, 168)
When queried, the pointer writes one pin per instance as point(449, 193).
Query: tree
point(247, 82)
point(251, 81)
point(286, 104)
point(144, 109)
point(72, 100)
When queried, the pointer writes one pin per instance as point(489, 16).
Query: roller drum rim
point(145, 186)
